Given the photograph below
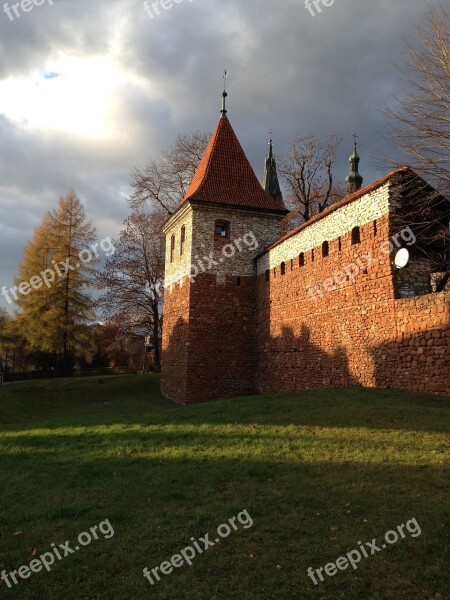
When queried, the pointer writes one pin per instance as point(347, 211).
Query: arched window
point(301, 260)
point(172, 248)
point(325, 249)
point(183, 239)
point(356, 236)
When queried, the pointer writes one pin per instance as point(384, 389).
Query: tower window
point(312, 255)
point(283, 268)
point(375, 228)
point(301, 260)
point(172, 248)
point(267, 275)
point(356, 236)
point(183, 239)
point(339, 244)
point(325, 249)
point(222, 230)
point(238, 281)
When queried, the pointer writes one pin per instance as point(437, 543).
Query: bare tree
point(426, 212)
point(163, 182)
point(421, 122)
point(132, 279)
point(420, 127)
point(308, 173)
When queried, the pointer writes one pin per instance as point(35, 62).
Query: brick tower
point(225, 220)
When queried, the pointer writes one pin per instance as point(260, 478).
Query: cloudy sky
point(91, 88)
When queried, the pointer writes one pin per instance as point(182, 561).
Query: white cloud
point(90, 89)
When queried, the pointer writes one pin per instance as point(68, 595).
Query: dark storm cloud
point(289, 72)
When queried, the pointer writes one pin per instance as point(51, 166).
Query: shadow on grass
point(137, 401)
point(305, 514)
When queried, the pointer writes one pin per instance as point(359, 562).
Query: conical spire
point(225, 176)
point(354, 181)
point(270, 178)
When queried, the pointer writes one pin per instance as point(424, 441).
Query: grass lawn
point(317, 471)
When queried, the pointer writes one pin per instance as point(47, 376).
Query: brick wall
point(418, 356)
point(221, 338)
point(366, 209)
point(175, 343)
point(321, 308)
point(350, 333)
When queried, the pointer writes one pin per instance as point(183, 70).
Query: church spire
point(354, 181)
point(270, 178)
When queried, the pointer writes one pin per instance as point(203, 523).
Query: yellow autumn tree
point(55, 307)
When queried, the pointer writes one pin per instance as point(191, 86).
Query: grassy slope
point(317, 471)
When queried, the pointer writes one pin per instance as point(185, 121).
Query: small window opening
point(172, 248)
point(222, 229)
point(356, 236)
point(183, 239)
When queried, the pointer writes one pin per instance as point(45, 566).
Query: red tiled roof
point(347, 200)
point(225, 176)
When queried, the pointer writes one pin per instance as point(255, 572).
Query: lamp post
point(148, 347)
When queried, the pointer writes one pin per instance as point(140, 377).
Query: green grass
point(317, 471)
